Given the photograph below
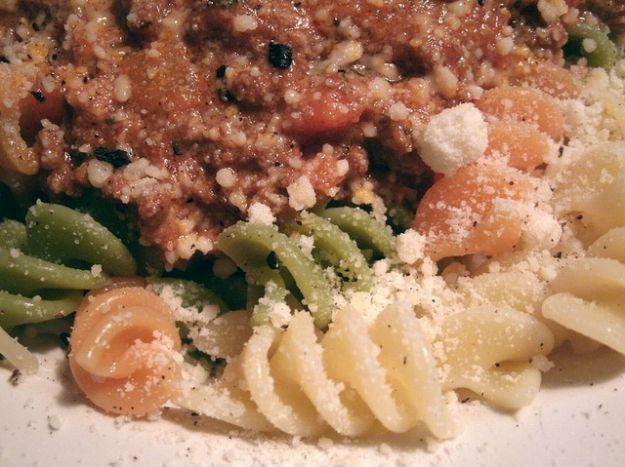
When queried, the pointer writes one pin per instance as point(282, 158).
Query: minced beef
point(192, 93)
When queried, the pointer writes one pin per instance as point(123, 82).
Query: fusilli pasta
point(487, 350)
point(590, 292)
point(353, 375)
point(124, 351)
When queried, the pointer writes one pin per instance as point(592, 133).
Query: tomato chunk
point(324, 110)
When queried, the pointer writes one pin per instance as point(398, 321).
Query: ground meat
point(219, 104)
point(143, 17)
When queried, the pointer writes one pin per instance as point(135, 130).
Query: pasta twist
point(522, 291)
point(594, 186)
point(29, 262)
point(354, 375)
point(124, 351)
point(487, 350)
point(337, 233)
point(34, 286)
point(589, 293)
point(603, 55)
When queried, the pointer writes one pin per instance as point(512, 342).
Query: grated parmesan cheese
point(453, 138)
point(259, 213)
point(301, 194)
point(410, 246)
point(244, 23)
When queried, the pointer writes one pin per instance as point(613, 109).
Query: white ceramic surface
point(579, 418)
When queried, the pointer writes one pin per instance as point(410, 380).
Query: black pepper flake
point(280, 55)
point(3, 59)
point(272, 261)
point(176, 148)
point(38, 95)
point(465, 400)
point(77, 157)
point(116, 157)
point(14, 379)
point(221, 72)
point(480, 2)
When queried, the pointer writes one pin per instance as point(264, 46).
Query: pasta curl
point(355, 374)
point(594, 185)
point(589, 293)
point(35, 285)
point(124, 353)
point(278, 269)
point(487, 351)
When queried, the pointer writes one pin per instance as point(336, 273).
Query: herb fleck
point(280, 55)
point(116, 157)
point(77, 157)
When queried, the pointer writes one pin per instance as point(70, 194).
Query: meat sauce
point(218, 104)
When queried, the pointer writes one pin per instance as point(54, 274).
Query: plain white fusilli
point(590, 293)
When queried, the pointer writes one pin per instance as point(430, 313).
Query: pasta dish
point(312, 217)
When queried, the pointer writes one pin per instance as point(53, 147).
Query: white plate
point(578, 418)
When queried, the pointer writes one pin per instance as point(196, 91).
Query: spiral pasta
point(34, 285)
point(460, 214)
point(353, 375)
point(335, 233)
point(125, 348)
point(487, 350)
point(29, 263)
point(604, 54)
point(594, 186)
point(589, 293)
point(521, 291)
